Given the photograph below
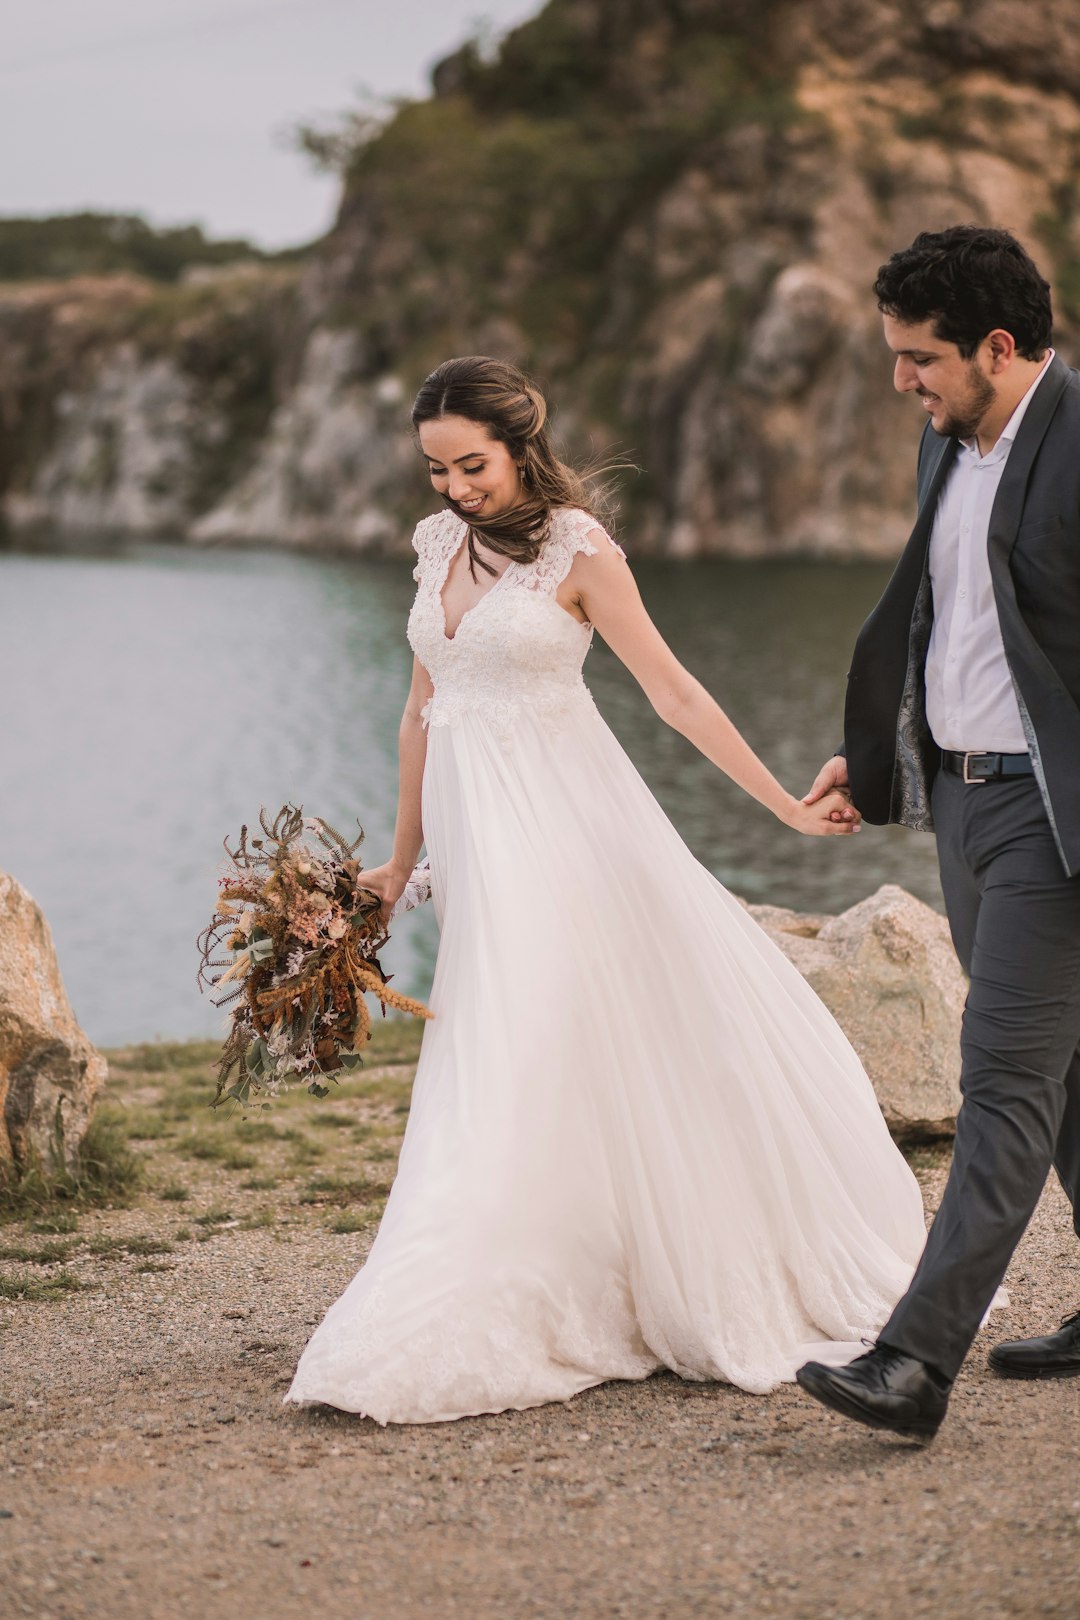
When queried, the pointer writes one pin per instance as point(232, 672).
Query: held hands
point(827, 808)
point(830, 817)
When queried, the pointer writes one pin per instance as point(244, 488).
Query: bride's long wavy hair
point(506, 402)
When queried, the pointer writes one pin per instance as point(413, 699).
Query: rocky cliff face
point(670, 210)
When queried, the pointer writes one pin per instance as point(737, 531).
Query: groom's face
point(956, 393)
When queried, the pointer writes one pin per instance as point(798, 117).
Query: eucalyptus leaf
point(257, 1057)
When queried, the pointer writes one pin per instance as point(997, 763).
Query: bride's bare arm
point(603, 587)
point(389, 880)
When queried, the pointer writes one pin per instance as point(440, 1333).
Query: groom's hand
point(833, 775)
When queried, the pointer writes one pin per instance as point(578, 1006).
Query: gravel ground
point(150, 1470)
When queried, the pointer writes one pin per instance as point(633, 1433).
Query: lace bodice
point(515, 649)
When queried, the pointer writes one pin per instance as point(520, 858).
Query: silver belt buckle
point(973, 781)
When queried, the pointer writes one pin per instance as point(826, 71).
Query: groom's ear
point(1001, 349)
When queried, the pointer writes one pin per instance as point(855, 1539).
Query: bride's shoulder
point(581, 530)
point(433, 537)
point(436, 526)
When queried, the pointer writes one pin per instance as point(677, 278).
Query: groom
point(963, 715)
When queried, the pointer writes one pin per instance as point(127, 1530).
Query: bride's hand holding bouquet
point(388, 882)
point(293, 946)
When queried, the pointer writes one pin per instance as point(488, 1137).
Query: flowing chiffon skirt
point(637, 1138)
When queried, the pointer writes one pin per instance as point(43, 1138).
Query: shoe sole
point(1034, 1374)
point(838, 1402)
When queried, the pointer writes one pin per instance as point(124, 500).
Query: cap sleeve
point(577, 526)
point(423, 541)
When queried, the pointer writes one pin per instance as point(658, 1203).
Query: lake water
point(153, 696)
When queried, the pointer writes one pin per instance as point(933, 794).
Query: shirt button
point(963, 594)
point(952, 658)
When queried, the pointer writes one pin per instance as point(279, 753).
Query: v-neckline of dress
point(454, 555)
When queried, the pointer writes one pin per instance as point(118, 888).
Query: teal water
point(153, 696)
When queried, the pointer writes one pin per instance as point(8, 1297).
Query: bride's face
point(476, 472)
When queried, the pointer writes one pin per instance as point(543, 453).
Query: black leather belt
point(986, 767)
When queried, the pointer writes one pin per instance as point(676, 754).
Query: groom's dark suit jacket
point(1034, 551)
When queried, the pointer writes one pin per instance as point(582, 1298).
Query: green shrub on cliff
point(97, 244)
point(512, 185)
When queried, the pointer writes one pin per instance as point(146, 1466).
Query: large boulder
point(887, 971)
point(49, 1072)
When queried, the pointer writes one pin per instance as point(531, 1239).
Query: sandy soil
point(149, 1468)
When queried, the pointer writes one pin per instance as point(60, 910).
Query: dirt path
point(149, 1469)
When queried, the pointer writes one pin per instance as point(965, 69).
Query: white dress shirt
point(970, 702)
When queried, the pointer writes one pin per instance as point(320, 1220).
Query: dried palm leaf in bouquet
point(302, 937)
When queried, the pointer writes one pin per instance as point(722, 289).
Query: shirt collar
point(1012, 426)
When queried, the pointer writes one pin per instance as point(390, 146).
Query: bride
point(637, 1138)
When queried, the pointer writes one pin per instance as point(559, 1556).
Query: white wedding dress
point(637, 1138)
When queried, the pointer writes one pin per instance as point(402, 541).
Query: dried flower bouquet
point(303, 937)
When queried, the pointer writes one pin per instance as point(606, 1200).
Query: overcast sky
point(180, 109)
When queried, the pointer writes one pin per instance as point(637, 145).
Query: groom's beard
point(962, 418)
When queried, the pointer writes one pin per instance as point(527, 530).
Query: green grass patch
point(383, 1152)
point(237, 1159)
point(389, 1088)
point(331, 1189)
point(174, 1192)
point(261, 1217)
point(166, 1057)
point(395, 1040)
point(260, 1183)
point(258, 1130)
point(105, 1173)
point(351, 1220)
point(182, 1234)
point(146, 1125)
point(154, 1266)
point(60, 1220)
point(138, 1244)
point(929, 1156)
point(186, 1111)
point(217, 1150)
point(327, 1121)
point(215, 1217)
point(302, 1150)
point(44, 1254)
point(43, 1288)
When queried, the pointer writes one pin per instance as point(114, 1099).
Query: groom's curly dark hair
point(969, 280)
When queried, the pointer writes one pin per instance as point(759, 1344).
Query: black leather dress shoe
point(1056, 1355)
point(885, 1389)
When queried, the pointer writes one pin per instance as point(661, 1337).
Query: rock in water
point(887, 971)
point(49, 1072)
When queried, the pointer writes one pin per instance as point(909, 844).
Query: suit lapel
point(1008, 505)
point(937, 457)
point(915, 756)
point(1028, 665)
point(935, 462)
